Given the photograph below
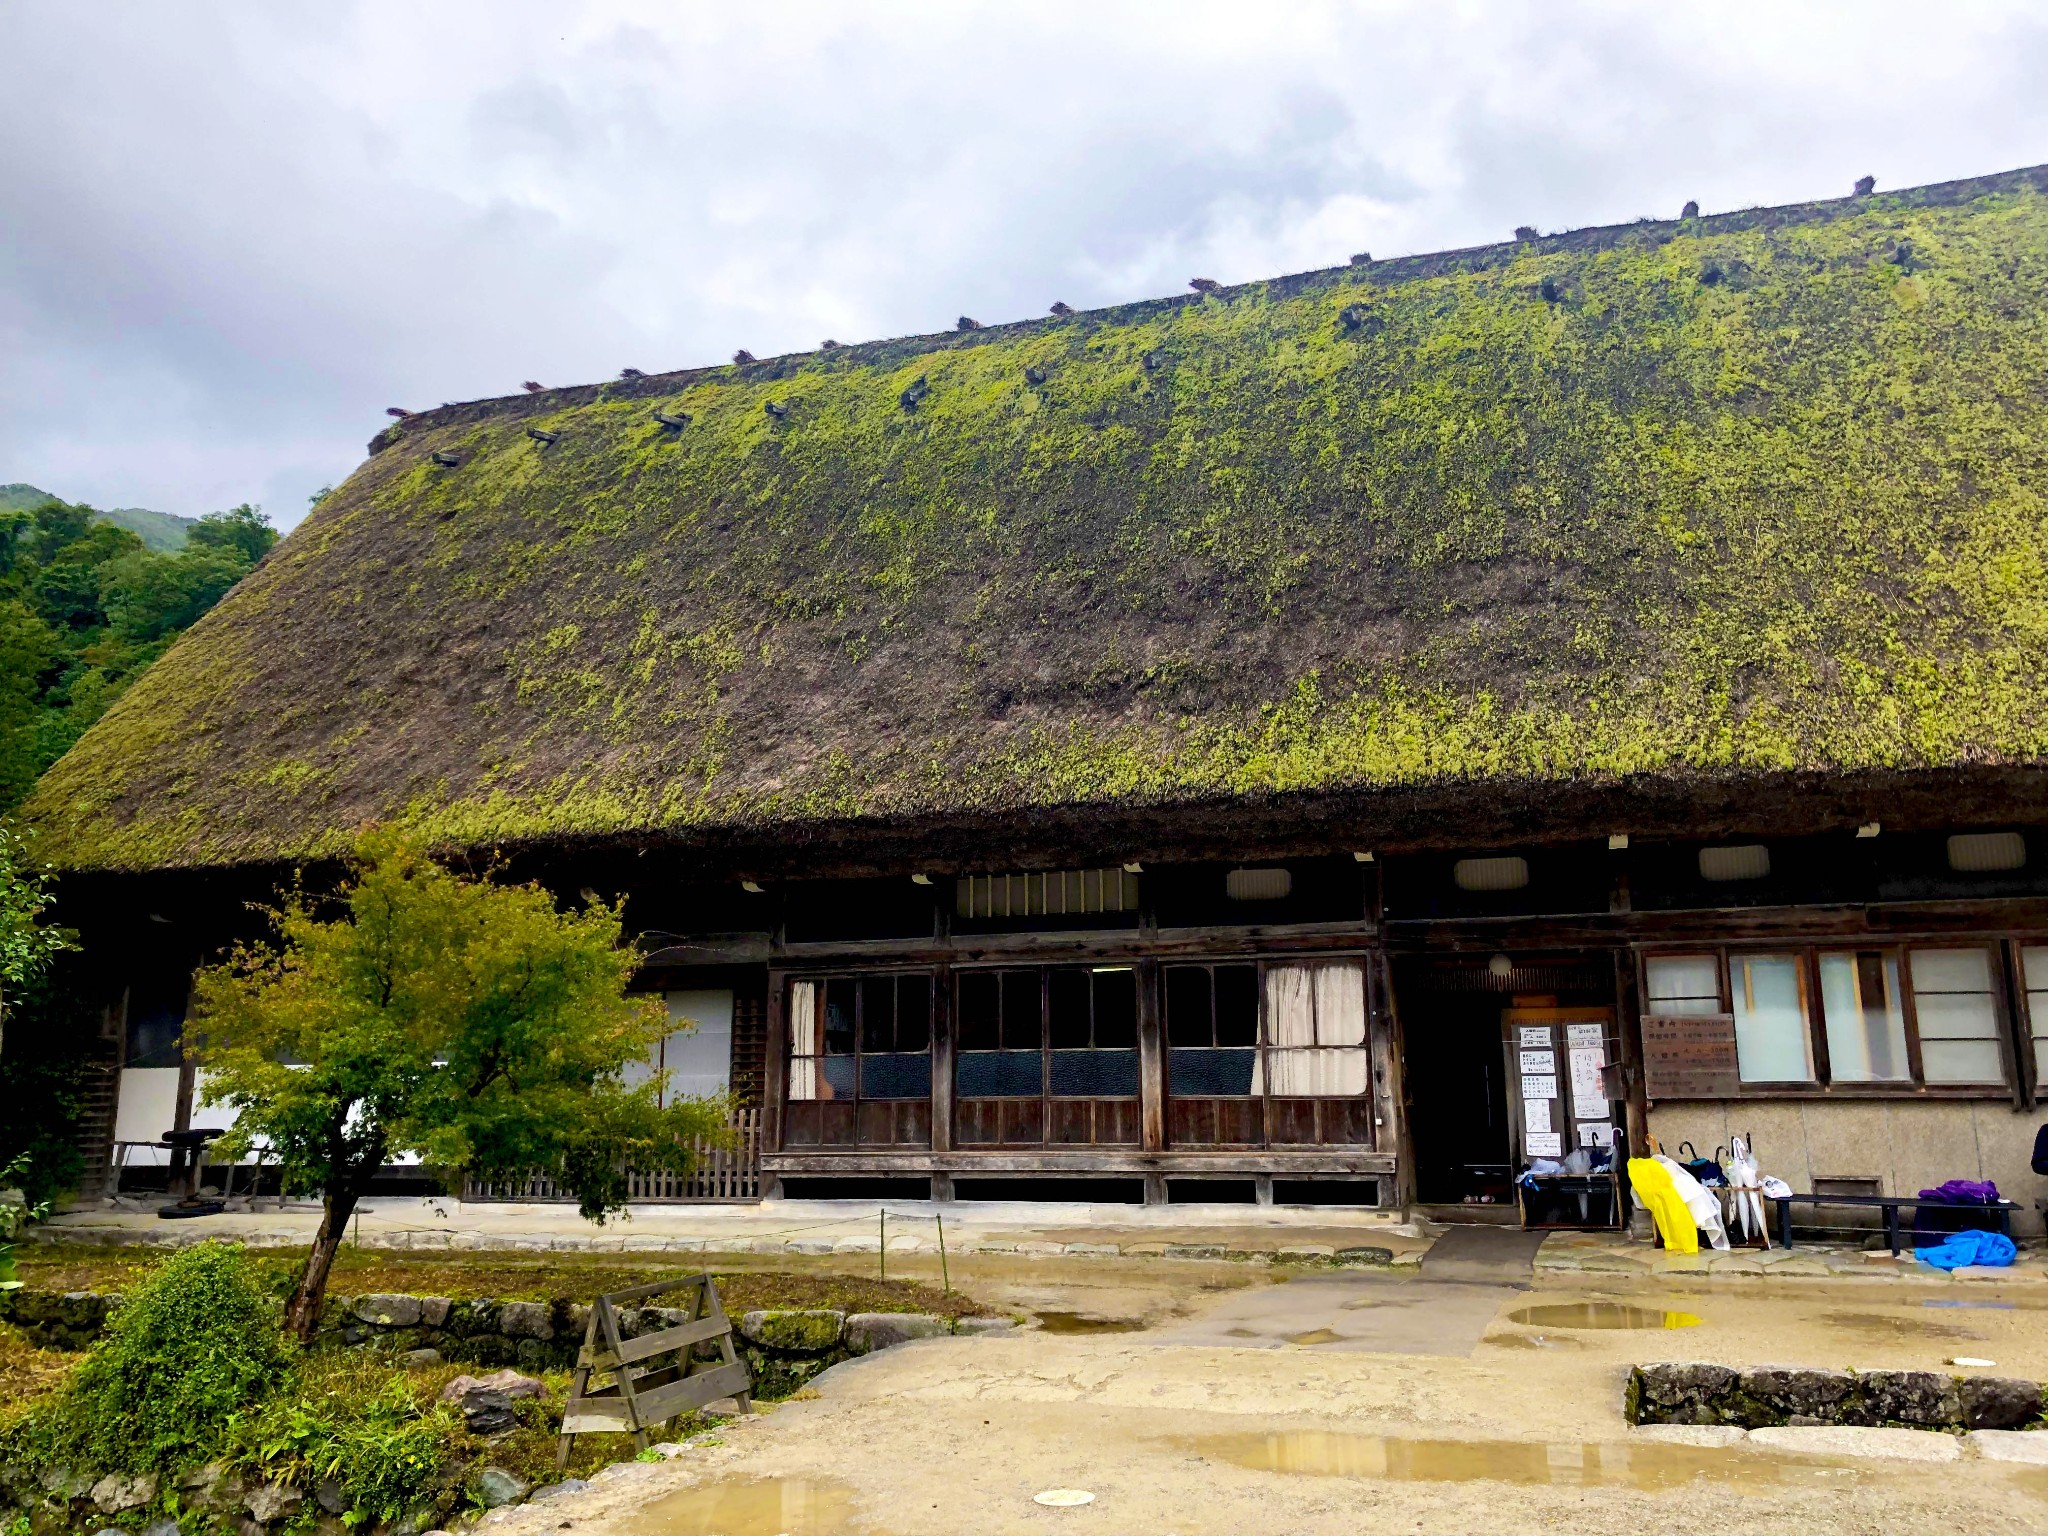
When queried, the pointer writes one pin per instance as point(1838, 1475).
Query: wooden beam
point(1050, 1160)
point(1151, 1061)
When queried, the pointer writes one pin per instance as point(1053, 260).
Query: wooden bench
point(2001, 1212)
point(646, 1390)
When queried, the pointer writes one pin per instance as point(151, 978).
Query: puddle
point(774, 1506)
point(1314, 1336)
point(1896, 1327)
point(1602, 1314)
point(1322, 1453)
point(1533, 1341)
point(1081, 1322)
point(1985, 1306)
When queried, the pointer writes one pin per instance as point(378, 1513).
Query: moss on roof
point(1747, 494)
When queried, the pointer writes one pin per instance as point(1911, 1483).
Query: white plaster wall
point(1909, 1145)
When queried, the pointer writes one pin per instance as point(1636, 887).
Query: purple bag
point(1945, 1209)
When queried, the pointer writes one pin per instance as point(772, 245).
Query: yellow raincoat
point(1654, 1189)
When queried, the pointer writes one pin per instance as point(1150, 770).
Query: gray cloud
point(230, 234)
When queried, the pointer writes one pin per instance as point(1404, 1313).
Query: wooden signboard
point(655, 1375)
point(1690, 1056)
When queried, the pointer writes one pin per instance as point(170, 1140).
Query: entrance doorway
point(1455, 1065)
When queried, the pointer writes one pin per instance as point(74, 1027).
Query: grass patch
point(28, 1374)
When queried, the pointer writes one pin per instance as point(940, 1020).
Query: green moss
point(1381, 527)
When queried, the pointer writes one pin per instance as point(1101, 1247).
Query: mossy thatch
point(1759, 494)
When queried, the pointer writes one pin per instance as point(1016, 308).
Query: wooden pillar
point(775, 1071)
point(942, 1070)
point(1151, 1064)
point(1629, 1026)
point(1389, 1091)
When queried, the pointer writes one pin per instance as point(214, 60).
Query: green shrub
point(383, 1450)
point(196, 1345)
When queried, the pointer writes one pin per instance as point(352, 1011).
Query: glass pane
point(878, 1013)
point(1684, 984)
point(1772, 1044)
point(2034, 965)
point(999, 1074)
point(1951, 970)
point(899, 1075)
point(1023, 1017)
point(1116, 1010)
point(1067, 1010)
point(1210, 1073)
point(839, 997)
point(1960, 1061)
point(2041, 1058)
point(913, 1013)
point(979, 1025)
point(1095, 1074)
point(1317, 1074)
point(1956, 1016)
point(1866, 1024)
point(1237, 1005)
point(1340, 1005)
point(836, 1077)
point(1187, 1006)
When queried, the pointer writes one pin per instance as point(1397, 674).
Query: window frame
point(1044, 969)
point(860, 980)
point(2007, 1008)
point(1263, 1045)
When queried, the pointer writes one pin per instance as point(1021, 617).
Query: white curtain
point(1315, 1032)
point(803, 1041)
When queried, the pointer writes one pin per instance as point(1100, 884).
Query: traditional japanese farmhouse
point(1332, 739)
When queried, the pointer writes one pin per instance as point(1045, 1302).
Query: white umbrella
point(1746, 1182)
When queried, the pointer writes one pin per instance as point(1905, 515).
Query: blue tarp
point(1961, 1248)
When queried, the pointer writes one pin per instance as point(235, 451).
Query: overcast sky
point(231, 234)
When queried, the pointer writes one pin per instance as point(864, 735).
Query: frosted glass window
point(1684, 984)
point(1865, 1018)
point(1773, 1042)
point(1957, 1012)
point(2034, 963)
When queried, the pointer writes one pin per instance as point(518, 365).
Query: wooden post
point(1151, 1061)
point(942, 1069)
point(1629, 1026)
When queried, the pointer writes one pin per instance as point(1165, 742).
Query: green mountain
point(159, 530)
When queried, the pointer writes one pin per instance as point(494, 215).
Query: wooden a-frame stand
point(646, 1390)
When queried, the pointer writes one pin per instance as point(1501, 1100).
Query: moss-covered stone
point(1726, 497)
point(798, 1333)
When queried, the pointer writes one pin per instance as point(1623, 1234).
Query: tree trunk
point(303, 1314)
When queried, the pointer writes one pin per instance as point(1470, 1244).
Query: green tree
point(423, 1011)
point(149, 597)
point(27, 943)
point(28, 649)
point(244, 529)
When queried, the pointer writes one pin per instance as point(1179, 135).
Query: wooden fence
point(717, 1173)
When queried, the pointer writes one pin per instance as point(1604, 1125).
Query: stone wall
point(782, 1349)
point(1760, 1396)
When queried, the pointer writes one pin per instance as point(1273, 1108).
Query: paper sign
point(1596, 1135)
point(1536, 1115)
point(1589, 1096)
point(1535, 1037)
point(1582, 1034)
point(1550, 1145)
point(1539, 1087)
point(1539, 1061)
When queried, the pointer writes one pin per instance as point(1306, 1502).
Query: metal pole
point(882, 1253)
point(945, 1279)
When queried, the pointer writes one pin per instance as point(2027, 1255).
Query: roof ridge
point(653, 386)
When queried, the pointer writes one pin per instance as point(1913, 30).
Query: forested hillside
point(159, 530)
point(85, 606)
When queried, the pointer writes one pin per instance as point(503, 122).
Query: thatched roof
point(1712, 503)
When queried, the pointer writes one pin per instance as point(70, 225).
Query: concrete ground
point(1196, 1370)
point(1356, 1402)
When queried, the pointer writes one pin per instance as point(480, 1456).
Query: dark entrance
point(1455, 1066)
